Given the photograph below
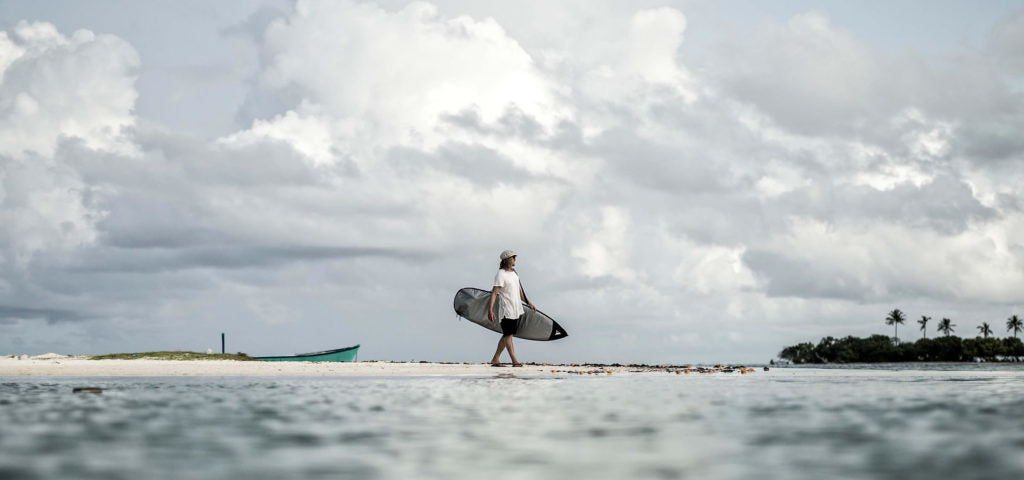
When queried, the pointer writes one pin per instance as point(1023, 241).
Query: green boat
point(347, 354)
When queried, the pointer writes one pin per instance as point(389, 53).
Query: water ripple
point(793, 424)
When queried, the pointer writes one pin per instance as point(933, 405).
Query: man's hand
point(530, 304)
point(490, 315)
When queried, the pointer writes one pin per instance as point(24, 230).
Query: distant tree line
point(880, 348)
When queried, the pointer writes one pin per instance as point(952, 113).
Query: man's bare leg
point(511, 350)
point(501, 346)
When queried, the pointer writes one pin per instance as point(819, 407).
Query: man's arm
point(522, 294)
point(490, 303)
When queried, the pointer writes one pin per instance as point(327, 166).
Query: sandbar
point(52, 365)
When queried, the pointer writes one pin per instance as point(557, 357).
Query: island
point(884, 349)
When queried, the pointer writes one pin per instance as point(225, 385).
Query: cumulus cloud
point(55, 89)
point(814, 77)
point(887, 264)
point(53, 86)
point(606, 253)
point(642, 63)
point(810, 75)
point(389, 75)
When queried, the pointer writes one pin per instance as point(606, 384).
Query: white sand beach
point(54, 365)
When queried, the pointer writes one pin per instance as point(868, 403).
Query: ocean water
point(926, 422)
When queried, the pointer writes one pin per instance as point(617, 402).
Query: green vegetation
point(880, 348)
point(173, 356)
point(946, 326)
point(895, 318)
point(923, 322)
point(985, 330)
point(1014, 324)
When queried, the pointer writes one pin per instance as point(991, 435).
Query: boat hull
point(347, 354)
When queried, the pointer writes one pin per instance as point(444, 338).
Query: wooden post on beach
point(222, 343)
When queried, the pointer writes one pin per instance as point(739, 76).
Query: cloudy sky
point(683, 181)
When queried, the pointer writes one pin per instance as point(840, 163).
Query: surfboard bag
point(471, 304)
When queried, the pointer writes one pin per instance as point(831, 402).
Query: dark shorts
point(509, 326)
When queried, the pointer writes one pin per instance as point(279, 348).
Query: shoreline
point(53, 365)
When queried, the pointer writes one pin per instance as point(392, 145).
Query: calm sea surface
point(927, 422)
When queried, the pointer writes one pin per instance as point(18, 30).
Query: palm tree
point(895, 318)
point(984, 329)
point(1015, 324)
point(946, 326)
point(923, 322)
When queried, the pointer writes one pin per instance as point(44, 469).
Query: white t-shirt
point(509, 303)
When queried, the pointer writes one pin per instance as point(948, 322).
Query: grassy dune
point(173, 356)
